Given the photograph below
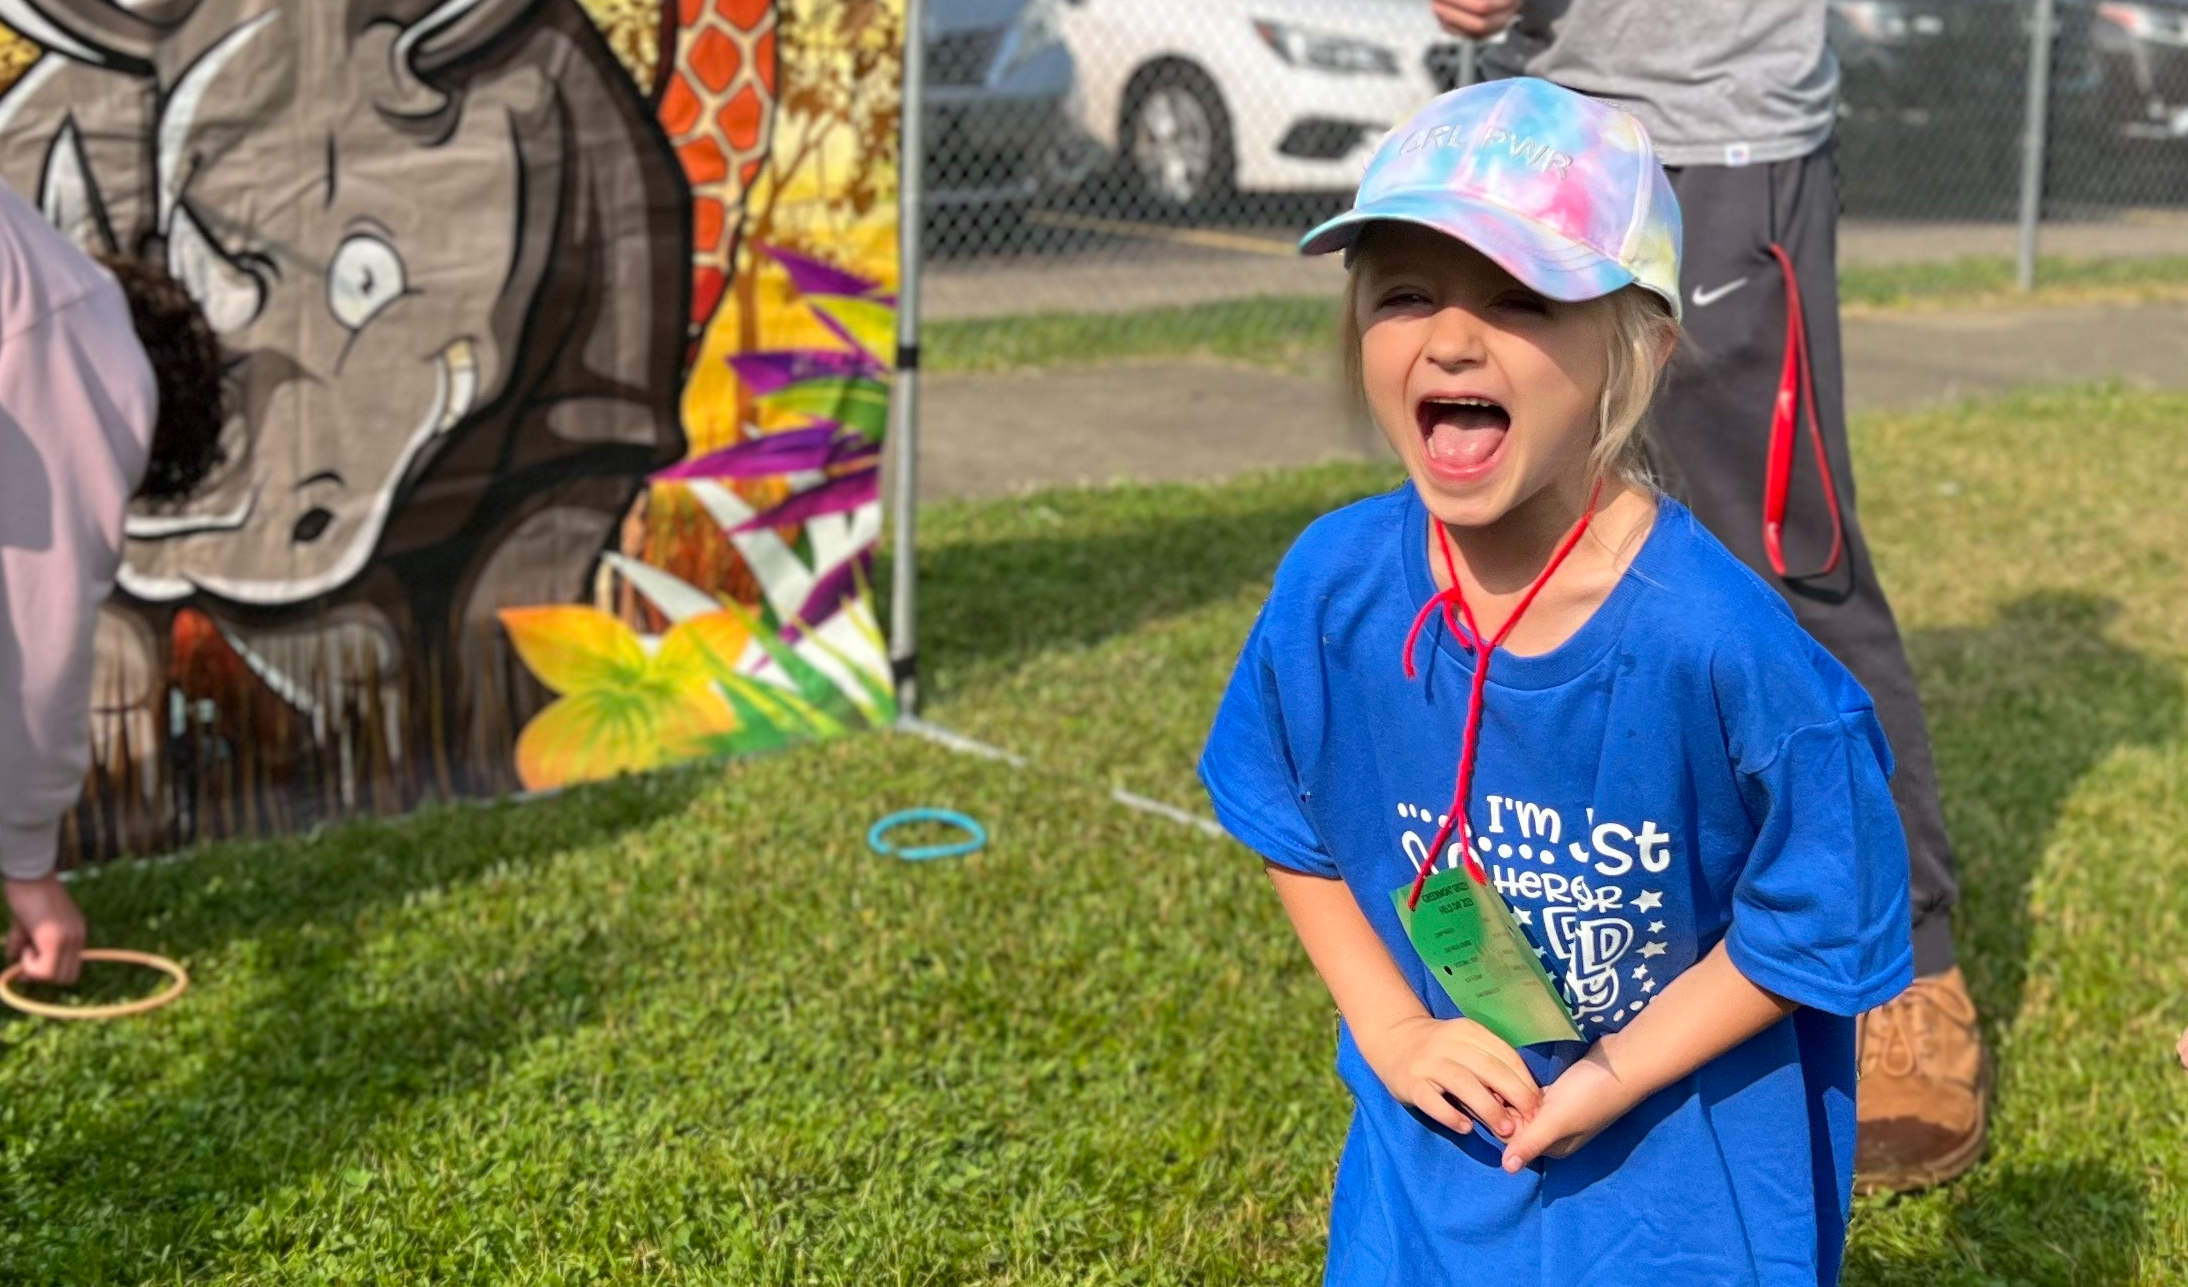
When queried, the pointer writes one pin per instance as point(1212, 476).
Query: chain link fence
point(1133, 172)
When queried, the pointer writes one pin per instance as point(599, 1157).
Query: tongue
point(1463, 440)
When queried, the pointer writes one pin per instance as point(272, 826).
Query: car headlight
point(1322, 51)
point(1040, 27)
point(2147, 22)
point(1880, 22)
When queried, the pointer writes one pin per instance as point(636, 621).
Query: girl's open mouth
point(1462, 434)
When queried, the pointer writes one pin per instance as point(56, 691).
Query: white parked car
point(1197, 98)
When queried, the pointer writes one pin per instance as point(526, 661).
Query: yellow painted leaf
point(707, 646)
point(573, 649)
point(871, 323)
point(585, 738)
point(601, 732)
point(700, 714)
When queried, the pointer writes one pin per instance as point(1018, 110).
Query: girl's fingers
point(1500, 1067)
point(1443, 1111)
point(1460, 1082)
point(1514, 1088)
point(1487, 1042)
point(1528, 1144)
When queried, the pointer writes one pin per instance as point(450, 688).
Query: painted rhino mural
point(448, 246)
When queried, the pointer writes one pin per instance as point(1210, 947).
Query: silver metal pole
point(1469, 63)
point(2032, 140)
point(904, 398)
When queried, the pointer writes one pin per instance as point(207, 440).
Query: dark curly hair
point(186, 363)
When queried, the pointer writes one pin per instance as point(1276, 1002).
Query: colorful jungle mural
point(556, 336)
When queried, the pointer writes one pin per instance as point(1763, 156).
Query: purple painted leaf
point(831, 591)
point(836, 496)
point(776, 453)
point(814, 277)
point(764, 373)
point(854, 447)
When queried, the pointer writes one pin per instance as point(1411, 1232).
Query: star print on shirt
point(1654, 949)
point(1656, 927)
point(1640, 971)
point(1523, 916)
point(1649, 901)
point(1649, 985)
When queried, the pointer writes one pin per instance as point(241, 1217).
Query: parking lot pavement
point(992, 435)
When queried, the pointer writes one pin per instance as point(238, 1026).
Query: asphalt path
point(994, 435)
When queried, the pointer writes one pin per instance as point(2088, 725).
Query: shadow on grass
point(2069, 1224)
point(208, 897)
point(2020, 712)
point(280, 1089)
point(1109, 561)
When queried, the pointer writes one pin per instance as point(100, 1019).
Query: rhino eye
point(365, 277)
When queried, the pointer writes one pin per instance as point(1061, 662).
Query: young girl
point(1680, 798)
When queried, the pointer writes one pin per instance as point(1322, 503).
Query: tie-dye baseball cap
point(1564, 192)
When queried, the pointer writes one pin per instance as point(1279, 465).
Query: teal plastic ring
point(976, 836)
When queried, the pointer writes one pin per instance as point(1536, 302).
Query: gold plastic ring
point(180, 985)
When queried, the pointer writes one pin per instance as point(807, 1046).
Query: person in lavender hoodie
point(110, 388)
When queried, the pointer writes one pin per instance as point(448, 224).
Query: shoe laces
point(1894, 1035)
point(1887, 1040)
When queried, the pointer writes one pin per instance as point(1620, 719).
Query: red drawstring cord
point(1471, 637)
point(1796, 392)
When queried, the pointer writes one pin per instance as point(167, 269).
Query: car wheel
point(1177, 138)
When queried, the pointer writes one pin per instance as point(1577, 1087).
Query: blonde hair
point(1637, 326)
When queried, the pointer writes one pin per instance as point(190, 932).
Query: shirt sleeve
point(1250, 770)
point(1820, 913)
point(77, 404)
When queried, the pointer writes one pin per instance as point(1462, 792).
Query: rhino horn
point(69, 197)
point(454, 30)
point(121, 34)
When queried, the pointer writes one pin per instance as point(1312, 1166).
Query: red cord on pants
point(1472, 638)
point(1796, 393)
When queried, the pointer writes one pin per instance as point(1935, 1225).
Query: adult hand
point(45, 930)
point(1476, 19)
point(1443, 1065)
point(1584, 1099)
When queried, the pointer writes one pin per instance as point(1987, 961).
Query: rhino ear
point(70, 199)
point(454, 30)
point(121, 34)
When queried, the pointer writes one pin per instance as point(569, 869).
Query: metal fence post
point(904, 399)
point(2032, 140)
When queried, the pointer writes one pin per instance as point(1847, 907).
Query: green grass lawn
point(1298, 332)
point(687, 1030)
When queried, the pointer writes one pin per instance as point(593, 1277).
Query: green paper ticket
point(1467, 936)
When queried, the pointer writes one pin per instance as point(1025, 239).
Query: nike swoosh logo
point(1705, 298)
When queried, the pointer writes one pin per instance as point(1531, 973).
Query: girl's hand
point(1707, 1010)
point(1441, 1066)
point(1584, 1099)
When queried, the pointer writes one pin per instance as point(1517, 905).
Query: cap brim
point(1542, 258)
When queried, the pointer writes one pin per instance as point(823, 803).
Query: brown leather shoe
point(1923, 1104)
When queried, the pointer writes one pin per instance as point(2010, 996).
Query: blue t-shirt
point(1688, 767)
